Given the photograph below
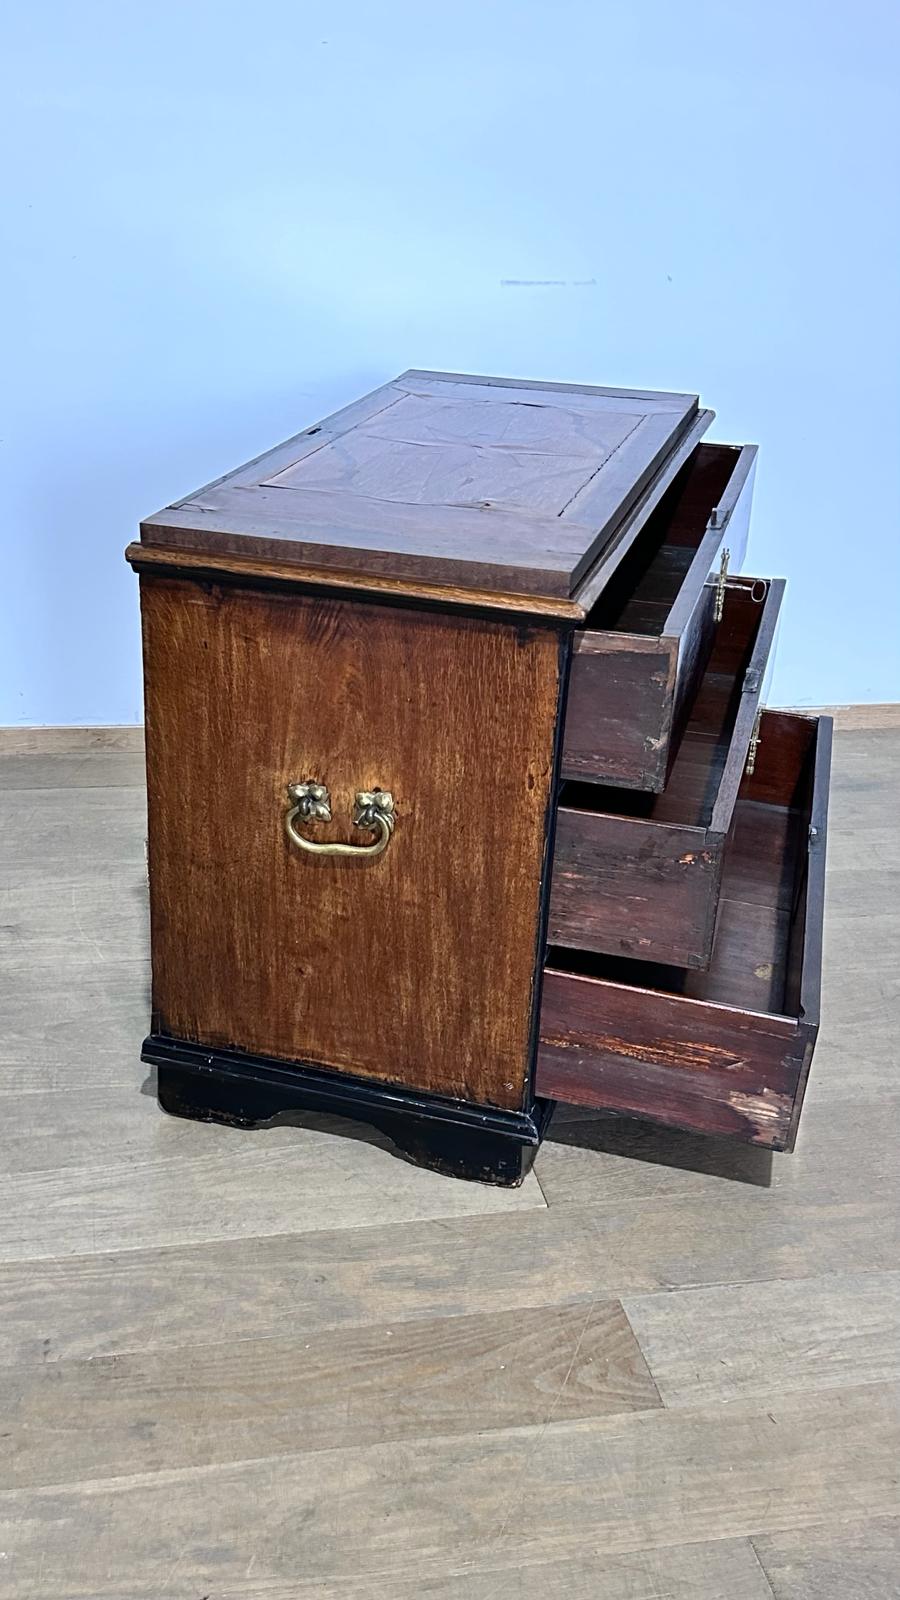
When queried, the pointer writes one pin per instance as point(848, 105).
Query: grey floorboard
point(285, 1365)
point(738, 1341)
point(223, 1402)
point(92, 769)
point(857, 1560)
point(648, 1480)
point(153, 1298)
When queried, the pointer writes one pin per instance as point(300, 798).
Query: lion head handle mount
point(311, 802)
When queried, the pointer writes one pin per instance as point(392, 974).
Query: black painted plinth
point(245, 1091)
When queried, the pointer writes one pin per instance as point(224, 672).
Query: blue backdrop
point(225, 220)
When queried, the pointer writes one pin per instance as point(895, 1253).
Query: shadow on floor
point(606, 1135)
point(324, 1121)
point(664, 1147)
point(317, 1121)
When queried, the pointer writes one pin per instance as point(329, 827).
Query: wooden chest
point(461, 796)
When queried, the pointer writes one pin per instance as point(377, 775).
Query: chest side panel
point(416, 967)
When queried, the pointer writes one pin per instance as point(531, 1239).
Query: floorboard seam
point(537, 1179)
point(644, 1357)
point(751, 1540)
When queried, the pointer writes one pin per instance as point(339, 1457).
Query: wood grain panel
point(52, 741)
point(345, 1387)
point(284, 1180)
point(81, 920)
point(438, 475)
point(472, 386)
point(619, 711)
point(725, 1570)
point(615, 1226)
point(56, 1032)
point(726, 1050)
point(470, 548)
point(638, 874)
point(739, 1343)
point(495, 486)
point(618, 1484)
point(266, 574)
point(87, 769)
point(683, 1062)
point(648, 636)
point(538, 1511)
point(847, 1560)
point(416, 967)
point(633, 887)
point(550, 426)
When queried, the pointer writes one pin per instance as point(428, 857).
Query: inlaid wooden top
point(486, 485)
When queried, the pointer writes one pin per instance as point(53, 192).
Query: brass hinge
point(755, 742)
point(719, 602)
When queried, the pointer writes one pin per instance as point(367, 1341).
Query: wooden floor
point(248, 1366)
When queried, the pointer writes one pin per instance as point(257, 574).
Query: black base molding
point(450, 1136)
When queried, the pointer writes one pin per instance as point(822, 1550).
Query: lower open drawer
point(727, 1050)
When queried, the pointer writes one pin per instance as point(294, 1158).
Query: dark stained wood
point(459, 547)
point(506, 487)
point(452, 1136)
point(616, 550)
point(725, 1051)
point(266, 574)
point(803, 981)
point(654, 596)
point(618, 714)
point(402, 596)
point(626, 887)
point(639, 874)
point(416, 967)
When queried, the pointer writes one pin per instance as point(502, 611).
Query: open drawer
point(725, 1051)
point(639, 874)
point(644, 646)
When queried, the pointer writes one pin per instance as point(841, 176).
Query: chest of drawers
point(461, 795)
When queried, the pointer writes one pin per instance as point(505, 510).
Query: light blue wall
point(226, 219)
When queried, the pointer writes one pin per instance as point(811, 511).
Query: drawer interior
point(642, 591)
point(695, 780)
point(759, 947)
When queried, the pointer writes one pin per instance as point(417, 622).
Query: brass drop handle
point(311, 802)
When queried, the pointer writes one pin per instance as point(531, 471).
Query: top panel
point(489, 486)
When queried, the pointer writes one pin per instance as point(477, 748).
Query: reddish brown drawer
point(645, 644)
point(639, 874)
point(725, 1051)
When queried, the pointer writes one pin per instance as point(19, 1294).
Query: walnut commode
point(461, 795)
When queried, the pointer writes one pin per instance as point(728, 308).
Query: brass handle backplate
point(311, 802)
